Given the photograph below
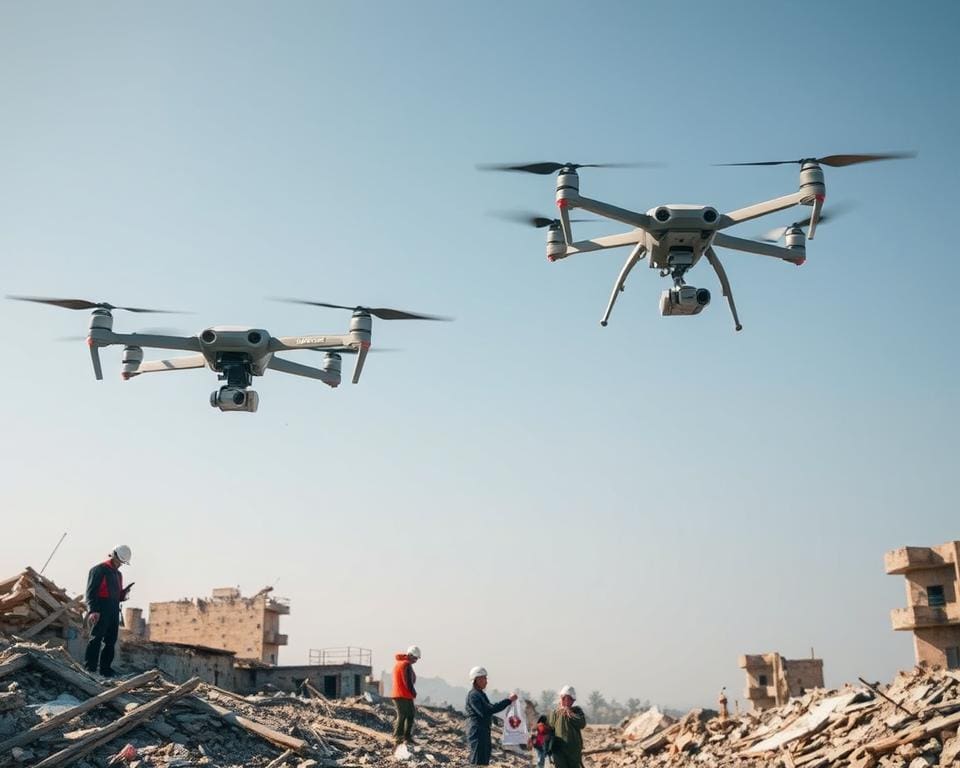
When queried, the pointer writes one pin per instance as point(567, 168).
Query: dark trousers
point(403, 730)
point(105, 634)
point(478, 742)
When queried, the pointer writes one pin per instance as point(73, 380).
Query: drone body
point(236, 354)
point(674, 238)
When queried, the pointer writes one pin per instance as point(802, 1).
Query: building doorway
point(330, 686)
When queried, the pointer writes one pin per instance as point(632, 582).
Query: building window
point(953, 657)
point(935, 597)
point(763, 680)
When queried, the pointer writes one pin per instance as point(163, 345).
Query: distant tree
point(547, 700)
point(634, 706)
point(597, 704)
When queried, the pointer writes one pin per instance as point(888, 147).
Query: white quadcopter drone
point(676, 236)
point(236, 354)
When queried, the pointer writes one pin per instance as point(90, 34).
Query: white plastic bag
point(515, 732)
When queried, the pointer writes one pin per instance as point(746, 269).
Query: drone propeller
point(836, 161)
point(532, 220)
point(773, 235)
point(545, 169)
point(383, 313)
point(84, 304)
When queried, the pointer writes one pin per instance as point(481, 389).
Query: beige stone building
point(772, 679)
point(247, 626)
point(933, 609)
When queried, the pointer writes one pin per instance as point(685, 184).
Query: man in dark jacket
point(480, 714)
point(104, 594)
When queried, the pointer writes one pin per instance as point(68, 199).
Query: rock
point(922, 762)
point(8, 725)
point(951, 751)
point(11, 700)
point(22, 755)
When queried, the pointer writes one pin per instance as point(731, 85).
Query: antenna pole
point(53, 553)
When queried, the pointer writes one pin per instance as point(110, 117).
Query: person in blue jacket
point(480, 714)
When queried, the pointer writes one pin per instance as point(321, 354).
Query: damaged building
point(772, 679)
point(248, 626)
point(233, 642)
point(932, 577)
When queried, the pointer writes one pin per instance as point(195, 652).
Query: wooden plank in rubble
point(38, 730)
point(117, 728)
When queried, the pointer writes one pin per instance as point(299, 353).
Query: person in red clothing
point(105, 592)
point(404, 693)
point(541, 740)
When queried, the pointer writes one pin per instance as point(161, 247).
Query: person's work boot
point(107, 673)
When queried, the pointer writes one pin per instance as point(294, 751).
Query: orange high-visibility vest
point(400, 689)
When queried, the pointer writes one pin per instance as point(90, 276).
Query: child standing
point(541, 740)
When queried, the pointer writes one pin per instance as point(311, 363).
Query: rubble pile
point(31, 603)
point(911, 723)
point(54, 713)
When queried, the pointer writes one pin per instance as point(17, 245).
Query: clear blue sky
point(626, 509)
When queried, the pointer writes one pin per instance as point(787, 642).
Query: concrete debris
point(143, 720)
point(646, 724)
point(911, 723)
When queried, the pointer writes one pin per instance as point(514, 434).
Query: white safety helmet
point(414, 651)
point(569, 690)
point(123, 554)
point(477, 672)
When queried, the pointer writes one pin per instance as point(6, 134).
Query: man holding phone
point(105, 592)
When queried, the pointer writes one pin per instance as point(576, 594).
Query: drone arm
point(609, 241)
point(724, 284)
point(638, 220)
point(184, 343)
point(173, 364)
point(761, 209)
point(297, 369)
point(752, 246)
point(316, 341)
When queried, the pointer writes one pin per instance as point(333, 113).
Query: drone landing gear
point(724, 284)
point(635, 255)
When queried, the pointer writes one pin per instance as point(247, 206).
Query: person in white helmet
point(404, 694)
point(480, 714)
point(105, 592)
point(568, 722)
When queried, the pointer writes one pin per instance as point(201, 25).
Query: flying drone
point(236, 354)
point(675, 237)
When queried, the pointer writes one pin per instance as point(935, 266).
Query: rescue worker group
point(556, 736)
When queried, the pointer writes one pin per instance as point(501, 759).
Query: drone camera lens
point(709, 215)
point(254, 337)
point(238, 398)
point(662, 214)
point(208, 336)
point(703, 297)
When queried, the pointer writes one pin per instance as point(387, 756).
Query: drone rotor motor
point(332, 363)
point(360, 327)
point(132, 357)
point(812, 182)
point(101, 320)
point(568, 186)
point(556, 246)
